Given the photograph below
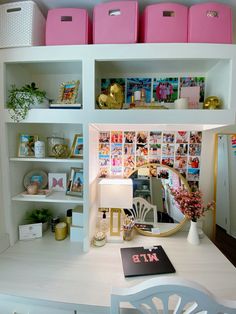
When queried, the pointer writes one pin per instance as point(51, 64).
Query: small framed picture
point(68, 92)
point(76, 182)
point(26, 145)
point(57, 181)
point(77, 147)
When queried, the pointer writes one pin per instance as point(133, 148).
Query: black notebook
point(141, 261)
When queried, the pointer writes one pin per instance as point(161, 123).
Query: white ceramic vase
point(193, 236)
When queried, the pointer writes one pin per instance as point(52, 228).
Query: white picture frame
point(57, 181)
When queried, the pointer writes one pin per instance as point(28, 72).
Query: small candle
point(60, 231)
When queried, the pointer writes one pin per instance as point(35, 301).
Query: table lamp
point(115, 194)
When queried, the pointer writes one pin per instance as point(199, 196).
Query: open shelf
point(53, 160)
point(55, 197)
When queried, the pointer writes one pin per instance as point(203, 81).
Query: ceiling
point(89, 4)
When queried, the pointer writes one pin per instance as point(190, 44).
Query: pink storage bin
point(210, 23)
point(68, 26)
point(164, 23)
point(115, 22)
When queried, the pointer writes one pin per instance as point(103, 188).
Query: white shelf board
point(72, 116)
point(54, 160)
point(167, 119)
point(55, 197)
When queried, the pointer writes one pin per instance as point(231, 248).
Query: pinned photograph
point(116, 136)
point(168, 149)
point(168, 137)
point(181, 149)
point(142, 137)
point(129, 149)
point(182, 137)
point(104, 150)
point(138, 84)
point(155, 137)
point(129, 137)
point(168, 161)
point(195, 137)
point(104, 137)
point(194, 162)
point(165, 89)
point(194, 149)
point(180, 162)
point(193, 174)
point(154, 149)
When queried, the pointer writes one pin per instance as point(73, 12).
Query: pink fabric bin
point(68, 26)
point(164, 23)
point(210, 23)
point(115, 22)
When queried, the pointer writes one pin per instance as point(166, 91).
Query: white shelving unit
point(49, 66)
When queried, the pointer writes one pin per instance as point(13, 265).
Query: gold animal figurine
point(113, 100)
point(212, 102)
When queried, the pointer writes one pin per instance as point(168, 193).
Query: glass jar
point(52, 141)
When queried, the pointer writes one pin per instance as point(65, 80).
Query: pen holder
point(128, 234)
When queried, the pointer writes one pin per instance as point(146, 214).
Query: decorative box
point(30, 231)
point(77, 218)
point(210, 23)
point(164, 22)
point(76, 234)
point(115, 22)
point(21, 24)
point(68, 26)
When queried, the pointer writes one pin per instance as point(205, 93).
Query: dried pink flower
point(191, 203)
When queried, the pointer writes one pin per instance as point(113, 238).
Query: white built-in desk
point(58, 271)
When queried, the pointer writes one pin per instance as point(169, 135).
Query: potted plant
point(20, 100)
point(39, 216)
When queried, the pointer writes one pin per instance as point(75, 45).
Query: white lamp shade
point(116, 193)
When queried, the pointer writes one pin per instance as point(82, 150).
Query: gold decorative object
point(212, 102)
point(113, 100)
point(60, 150)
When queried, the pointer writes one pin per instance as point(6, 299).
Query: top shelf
point(49, 66)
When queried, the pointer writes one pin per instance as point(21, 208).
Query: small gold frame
point(77, 146)
point(113, 212)
point(68, 92)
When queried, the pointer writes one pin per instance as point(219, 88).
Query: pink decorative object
point(115, 22)
point(68, 26)
point(193, 95)
point(210, 23)
point(164, 22)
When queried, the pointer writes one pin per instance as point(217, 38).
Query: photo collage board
point(120, 152)
point(161, 89)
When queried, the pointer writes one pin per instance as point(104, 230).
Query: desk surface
point(58, 271)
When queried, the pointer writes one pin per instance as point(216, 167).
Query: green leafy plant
point(20, 100)
point(38, 215)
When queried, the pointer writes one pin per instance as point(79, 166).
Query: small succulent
point(38, 215)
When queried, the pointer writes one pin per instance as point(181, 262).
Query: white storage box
point(76, 234)
point(21, 24)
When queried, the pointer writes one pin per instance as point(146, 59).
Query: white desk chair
point(167, 295)
point(143, 211)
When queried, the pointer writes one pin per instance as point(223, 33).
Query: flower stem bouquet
point(191, 203)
